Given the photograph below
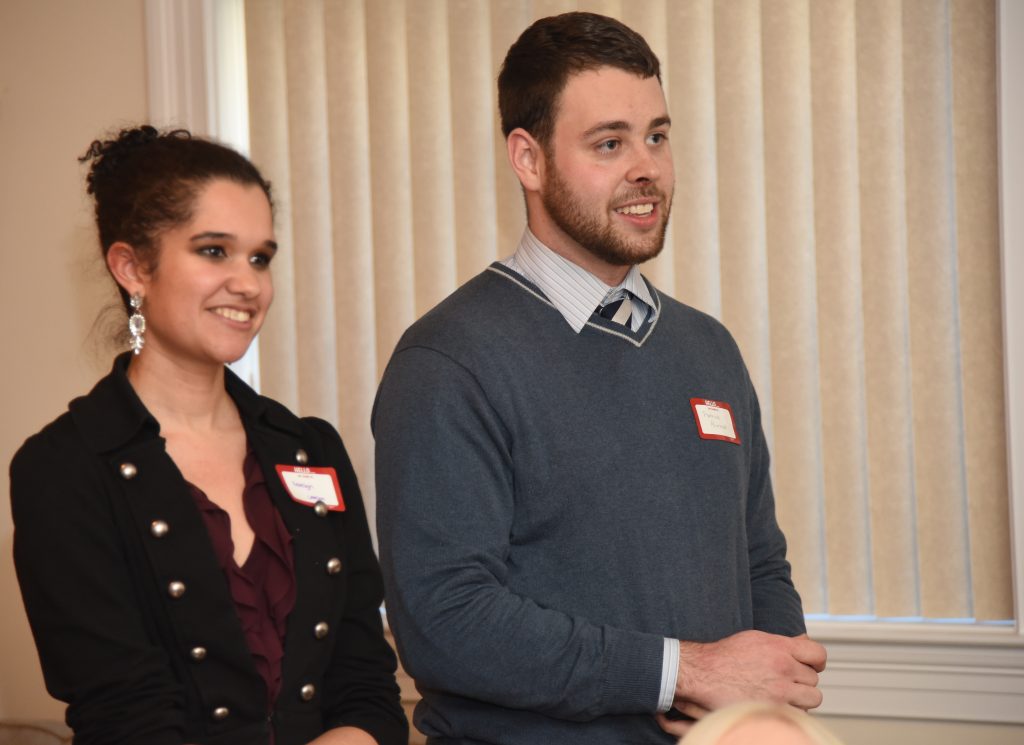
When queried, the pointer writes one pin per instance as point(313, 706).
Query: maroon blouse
point(263, 588)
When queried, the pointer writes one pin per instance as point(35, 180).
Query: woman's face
point(210, 291)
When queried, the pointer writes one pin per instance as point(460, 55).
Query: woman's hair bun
point(107, 155)
point(144, 180)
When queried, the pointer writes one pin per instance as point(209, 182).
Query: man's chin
point(626, 255)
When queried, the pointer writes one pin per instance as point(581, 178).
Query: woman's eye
point(213, 252)
point(261, 260)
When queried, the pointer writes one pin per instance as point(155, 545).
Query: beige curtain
point(836, 207)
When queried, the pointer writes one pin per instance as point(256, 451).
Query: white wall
point(69, 71)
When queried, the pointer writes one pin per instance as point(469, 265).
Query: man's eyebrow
point(618, 125)
point(609, 126)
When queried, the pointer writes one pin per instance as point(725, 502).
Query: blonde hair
point(711, 728)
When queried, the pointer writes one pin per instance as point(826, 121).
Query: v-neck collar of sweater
point(574, 290)
point(595, 322)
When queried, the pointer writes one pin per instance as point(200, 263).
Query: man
point(576, 522)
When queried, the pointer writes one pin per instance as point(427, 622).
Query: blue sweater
point(548, 513)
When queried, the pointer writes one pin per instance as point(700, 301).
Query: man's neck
point(562, 244)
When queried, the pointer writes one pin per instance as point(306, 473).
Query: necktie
point(618, 311)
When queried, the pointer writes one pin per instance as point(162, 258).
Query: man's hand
point(750, 666)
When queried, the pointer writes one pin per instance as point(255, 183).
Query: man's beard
point(602, 240)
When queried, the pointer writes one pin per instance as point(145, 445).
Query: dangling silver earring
point(136, 323)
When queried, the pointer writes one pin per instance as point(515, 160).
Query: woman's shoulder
point(327, 441)
point(49, 444)
point(96, 423)
point(51, 473)
point(258, 408)
point(67, 436)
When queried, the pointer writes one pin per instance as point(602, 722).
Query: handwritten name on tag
point(310, 485)
point(714, 420)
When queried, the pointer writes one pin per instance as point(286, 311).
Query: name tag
point(309, 485)
point(714, 420)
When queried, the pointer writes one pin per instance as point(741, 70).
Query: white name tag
point(714, 420)
point(309, 486)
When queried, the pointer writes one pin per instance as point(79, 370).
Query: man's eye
point(608, 146)
point(656, 138)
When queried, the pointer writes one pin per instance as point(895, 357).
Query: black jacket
point(122, 652)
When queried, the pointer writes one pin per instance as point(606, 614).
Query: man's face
point(608, 176)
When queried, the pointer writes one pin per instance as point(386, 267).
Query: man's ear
point(125, 266)
point(527, 158)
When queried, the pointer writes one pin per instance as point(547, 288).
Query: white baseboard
point(979, 681)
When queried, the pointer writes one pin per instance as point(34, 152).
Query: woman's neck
point(182, 395)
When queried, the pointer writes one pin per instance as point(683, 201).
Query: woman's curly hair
point(145, 181)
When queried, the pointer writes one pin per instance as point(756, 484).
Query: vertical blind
point(836, 208)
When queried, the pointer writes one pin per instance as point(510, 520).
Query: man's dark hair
point(542, 59)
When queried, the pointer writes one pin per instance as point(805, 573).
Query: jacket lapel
point(277, 436)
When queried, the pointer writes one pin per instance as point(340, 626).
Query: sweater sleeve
point(776, 604)
point(93, 643)
point(446, 500)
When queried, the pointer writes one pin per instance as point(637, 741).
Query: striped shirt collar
point(573, 290)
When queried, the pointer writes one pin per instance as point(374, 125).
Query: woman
point(195, 559)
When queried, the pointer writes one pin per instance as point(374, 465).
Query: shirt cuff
point(669, 673)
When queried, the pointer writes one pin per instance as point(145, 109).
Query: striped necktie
point(619, 310)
